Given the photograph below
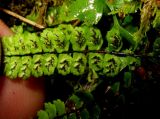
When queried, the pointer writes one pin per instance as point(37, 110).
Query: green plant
point(85, 53)
point(33, 55)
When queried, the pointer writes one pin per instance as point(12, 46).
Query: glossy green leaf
point(89, 11)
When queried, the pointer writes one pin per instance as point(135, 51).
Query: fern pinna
point(66, 49)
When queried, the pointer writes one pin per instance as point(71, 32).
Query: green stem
point(127, 35)
point(115, 20)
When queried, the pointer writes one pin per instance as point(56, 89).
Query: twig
point(22, 18)
point(77, 22)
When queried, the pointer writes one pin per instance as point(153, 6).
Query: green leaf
point(68, 30)
point(51, 110)
point(64, 64)
point(94, 38)
point(59, 40)
point(42, 114)
point(46, 40)
point(13, 64)
point(60, 107)
point(111, 65)
point(78, 39)
point(78, 63)
point(96, 61)
point(114, 39)
point(37, 63)
point(33, 43)
point(49, 63)
point(89, 11)
point(6, 43)
point(77, 101)
point(25, 64)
